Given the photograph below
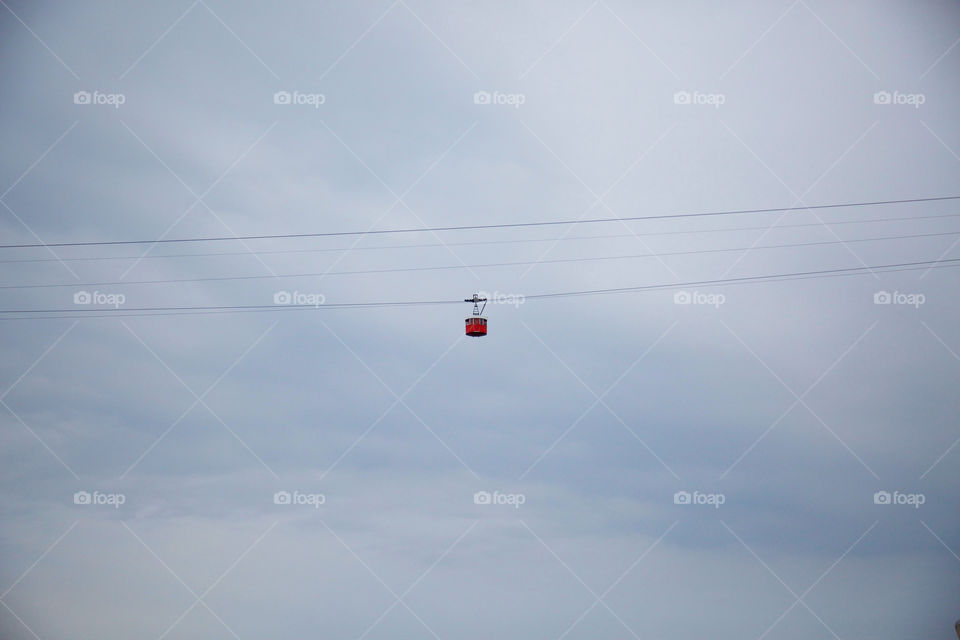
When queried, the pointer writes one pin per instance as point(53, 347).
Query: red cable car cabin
point(476, 326)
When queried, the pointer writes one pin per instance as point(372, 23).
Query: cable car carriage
point(476, 323)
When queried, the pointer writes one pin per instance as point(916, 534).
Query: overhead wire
point(472, 266)
point(642, 234)
point(512, 225)
point(148, 311)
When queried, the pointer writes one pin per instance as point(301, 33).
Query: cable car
point(476, 323)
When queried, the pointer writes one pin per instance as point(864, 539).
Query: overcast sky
point(776, 459)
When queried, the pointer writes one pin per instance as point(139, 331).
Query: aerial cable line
point(642, 234)
point(903, 266)
point(511, 225)
point(822, 273)
point(470, 266)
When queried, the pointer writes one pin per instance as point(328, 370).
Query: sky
point(734, 459)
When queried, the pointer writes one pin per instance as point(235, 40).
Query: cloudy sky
point(739, 459)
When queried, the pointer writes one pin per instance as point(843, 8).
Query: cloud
point(796, 400)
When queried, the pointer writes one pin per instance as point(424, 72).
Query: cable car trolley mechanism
point(477, 323)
